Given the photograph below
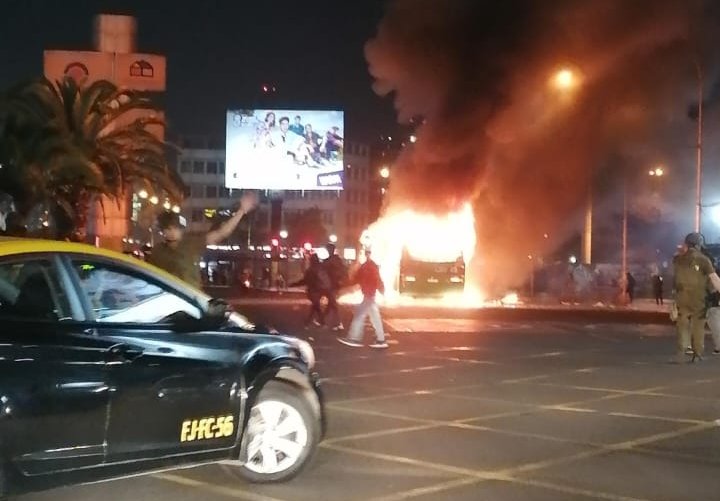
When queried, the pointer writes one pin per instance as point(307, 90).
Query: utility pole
point(699, 166)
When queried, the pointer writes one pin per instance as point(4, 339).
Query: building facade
point(115, 59)
point(344, 213)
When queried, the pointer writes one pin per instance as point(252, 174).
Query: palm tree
point(74, 145)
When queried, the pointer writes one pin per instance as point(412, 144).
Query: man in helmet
point(180, 255)
point(692, 270)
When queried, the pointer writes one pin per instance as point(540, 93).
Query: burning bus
point(423, 254)
point(419, 277)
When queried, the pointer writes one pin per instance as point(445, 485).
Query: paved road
point(476, 408)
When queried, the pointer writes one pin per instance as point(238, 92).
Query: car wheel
point(281, 436)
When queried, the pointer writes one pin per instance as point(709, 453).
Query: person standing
point(337, 271)
point(657, 285)
point(692, 271)
point(370, 282)
point(630, 286)
point(317, 283)
point(179, 255)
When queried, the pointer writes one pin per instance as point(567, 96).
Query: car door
point(53, 386)
point(177, 392)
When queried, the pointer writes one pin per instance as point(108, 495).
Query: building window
point(199, 167)
point(211, 191)
point(222, 167)
point(211, 168)
point(142, 69)
point(196, 191)
point(185, 166)
point(76, 71)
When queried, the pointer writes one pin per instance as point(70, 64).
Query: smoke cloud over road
point(499, 127)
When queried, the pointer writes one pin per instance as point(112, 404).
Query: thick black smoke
point(497, 131)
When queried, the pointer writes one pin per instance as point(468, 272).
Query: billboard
point(284, 150)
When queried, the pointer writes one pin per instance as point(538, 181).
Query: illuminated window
point(141, 69)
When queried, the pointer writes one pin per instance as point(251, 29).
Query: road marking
point(380, 433)
point(546, 355)
point(433, 489)
point(573, 490)
point(656, 418)
point(525, 379)
point(215, 489)
point(566, 408)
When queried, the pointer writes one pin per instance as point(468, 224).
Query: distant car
point(430, 278)
point(109, 366)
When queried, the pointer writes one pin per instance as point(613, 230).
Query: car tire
point(278, 457)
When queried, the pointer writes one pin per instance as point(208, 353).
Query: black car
point(109, 366)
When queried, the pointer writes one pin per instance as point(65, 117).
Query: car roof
point(10, 246)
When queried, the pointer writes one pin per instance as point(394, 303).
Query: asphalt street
point(483, 406)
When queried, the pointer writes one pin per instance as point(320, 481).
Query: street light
point(143, 194)
point(657, 172)
point(565, 79)
point(283, 234)
point(333, 238)
point(154, 200)
point(385, 172)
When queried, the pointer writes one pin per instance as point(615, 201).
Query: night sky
point(220, 53)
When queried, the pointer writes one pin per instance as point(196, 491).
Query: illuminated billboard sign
point(284, 150)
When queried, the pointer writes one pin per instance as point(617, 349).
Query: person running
point(370, 282)
point(317, 283)
point(337, 271)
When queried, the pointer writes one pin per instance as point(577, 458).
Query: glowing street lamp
point(283, 234)
point(656, 172)
point(154, 200)
point(333, 238)
point(167, 205)
point(176, 209)
point(565, 79)
point(385, 172)
point(143, 194)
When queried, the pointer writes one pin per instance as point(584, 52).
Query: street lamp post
point(699, 155)
point(567, 80)
point(657, 172)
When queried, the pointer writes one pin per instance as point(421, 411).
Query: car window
point(31, 289)
point(119, 295)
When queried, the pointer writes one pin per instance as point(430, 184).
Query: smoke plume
point(496, 129)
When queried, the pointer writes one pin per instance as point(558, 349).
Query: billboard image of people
point(284, 150)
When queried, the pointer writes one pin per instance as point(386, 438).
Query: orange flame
point(427, 237)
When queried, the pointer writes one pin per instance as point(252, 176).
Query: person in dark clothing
point(657, 284)
point(630, 286)
point(317, 284)
point(337, 271)
point(15, 226)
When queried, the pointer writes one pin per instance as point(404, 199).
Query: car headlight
point(306, 351)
